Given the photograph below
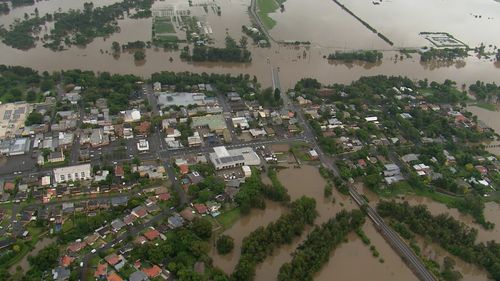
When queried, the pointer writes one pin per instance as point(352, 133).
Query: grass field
point(485, 105)
point(167, 38)
point(162, 26)
point(229, 218)
point(265, 7)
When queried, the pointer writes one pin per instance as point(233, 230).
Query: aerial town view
point(249, 140)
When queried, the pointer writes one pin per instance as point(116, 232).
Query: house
point(117, 261)
point(119, 201)
point(117, 225)
point(200, 208)
point(91, 239)
point(66, 260)
point(184, 169)
point(139, 212)
point(56, 156)
point(152, 272)
point(138, 276)
point(119, 172)
point(129, 219)
point(194, 177)
point(175, 221)
point(101, 271)
point(313, 154)
point(114, 277)
point(144, 128)
point(130, 116)
point(391, 170)
point(163, 196)
point(60, 273)
point(187, 214)
point(76, 247)
point(152, 234)
point(172, 133)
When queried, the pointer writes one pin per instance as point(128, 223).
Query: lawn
point(162, 26)
point(485, 105)
point(265, 7)
point(227, 219)
point(167, 38)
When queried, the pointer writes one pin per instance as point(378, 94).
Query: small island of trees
point(367, 56)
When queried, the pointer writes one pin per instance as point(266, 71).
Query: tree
point(243, 42)
point(115, 46)
point(139, 55)
point(34, 118)
point(225, 244)
point(202, 228)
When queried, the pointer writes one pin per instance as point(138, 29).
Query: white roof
point(221, 151)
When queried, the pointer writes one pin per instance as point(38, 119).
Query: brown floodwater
point(345, 260)
point(469, 271)
point(241, 229)
point(491, 212)
point(354, 261)
point(290, 60)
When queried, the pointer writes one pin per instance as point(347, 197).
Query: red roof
point(101, 270)
point(66, 260)
point(152, 234)
point(143, 128)
point(114, 277)
point(119, 171)
point(481, 169)
point(128, 219)
point(76, 247)
point(362, 162)
point(200, 208)
point(112, 259)
point(184, 168)
point(153, 271)
point(9, 185)
point(164, 196)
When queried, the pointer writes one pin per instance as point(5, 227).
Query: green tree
point(139, 55)
point(224, 244)
point(34, 118)
point(202, 228)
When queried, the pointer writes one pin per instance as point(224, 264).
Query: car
point(93, 251)
point(114, 163)
point(81, 264)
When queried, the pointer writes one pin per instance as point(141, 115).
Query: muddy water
point(354, 261)
point(490, 118)
point(44, 242)
point(403, 20)
point(491, 212)
point(293, 66)
point(307, 181)
point(241, 229)
point(469, 271)
point(327, 27)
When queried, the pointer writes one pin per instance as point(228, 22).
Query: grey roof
point(117, 224)
point(176, 221)
point(118, 201)
point(138, 276)
point(60, 273)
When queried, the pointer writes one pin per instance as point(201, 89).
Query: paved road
point(411, 259)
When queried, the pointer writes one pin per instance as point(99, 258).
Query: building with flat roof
point(222, 158)
point(13, 147)
point(72, 173)
point(181, 99)
point(143, 145)
point(215, 123)
point(12, 117)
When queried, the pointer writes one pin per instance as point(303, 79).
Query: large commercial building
point(12, 117)
point(13, 147)
point(72, 173)
point(181, 99)
point(226, 159)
